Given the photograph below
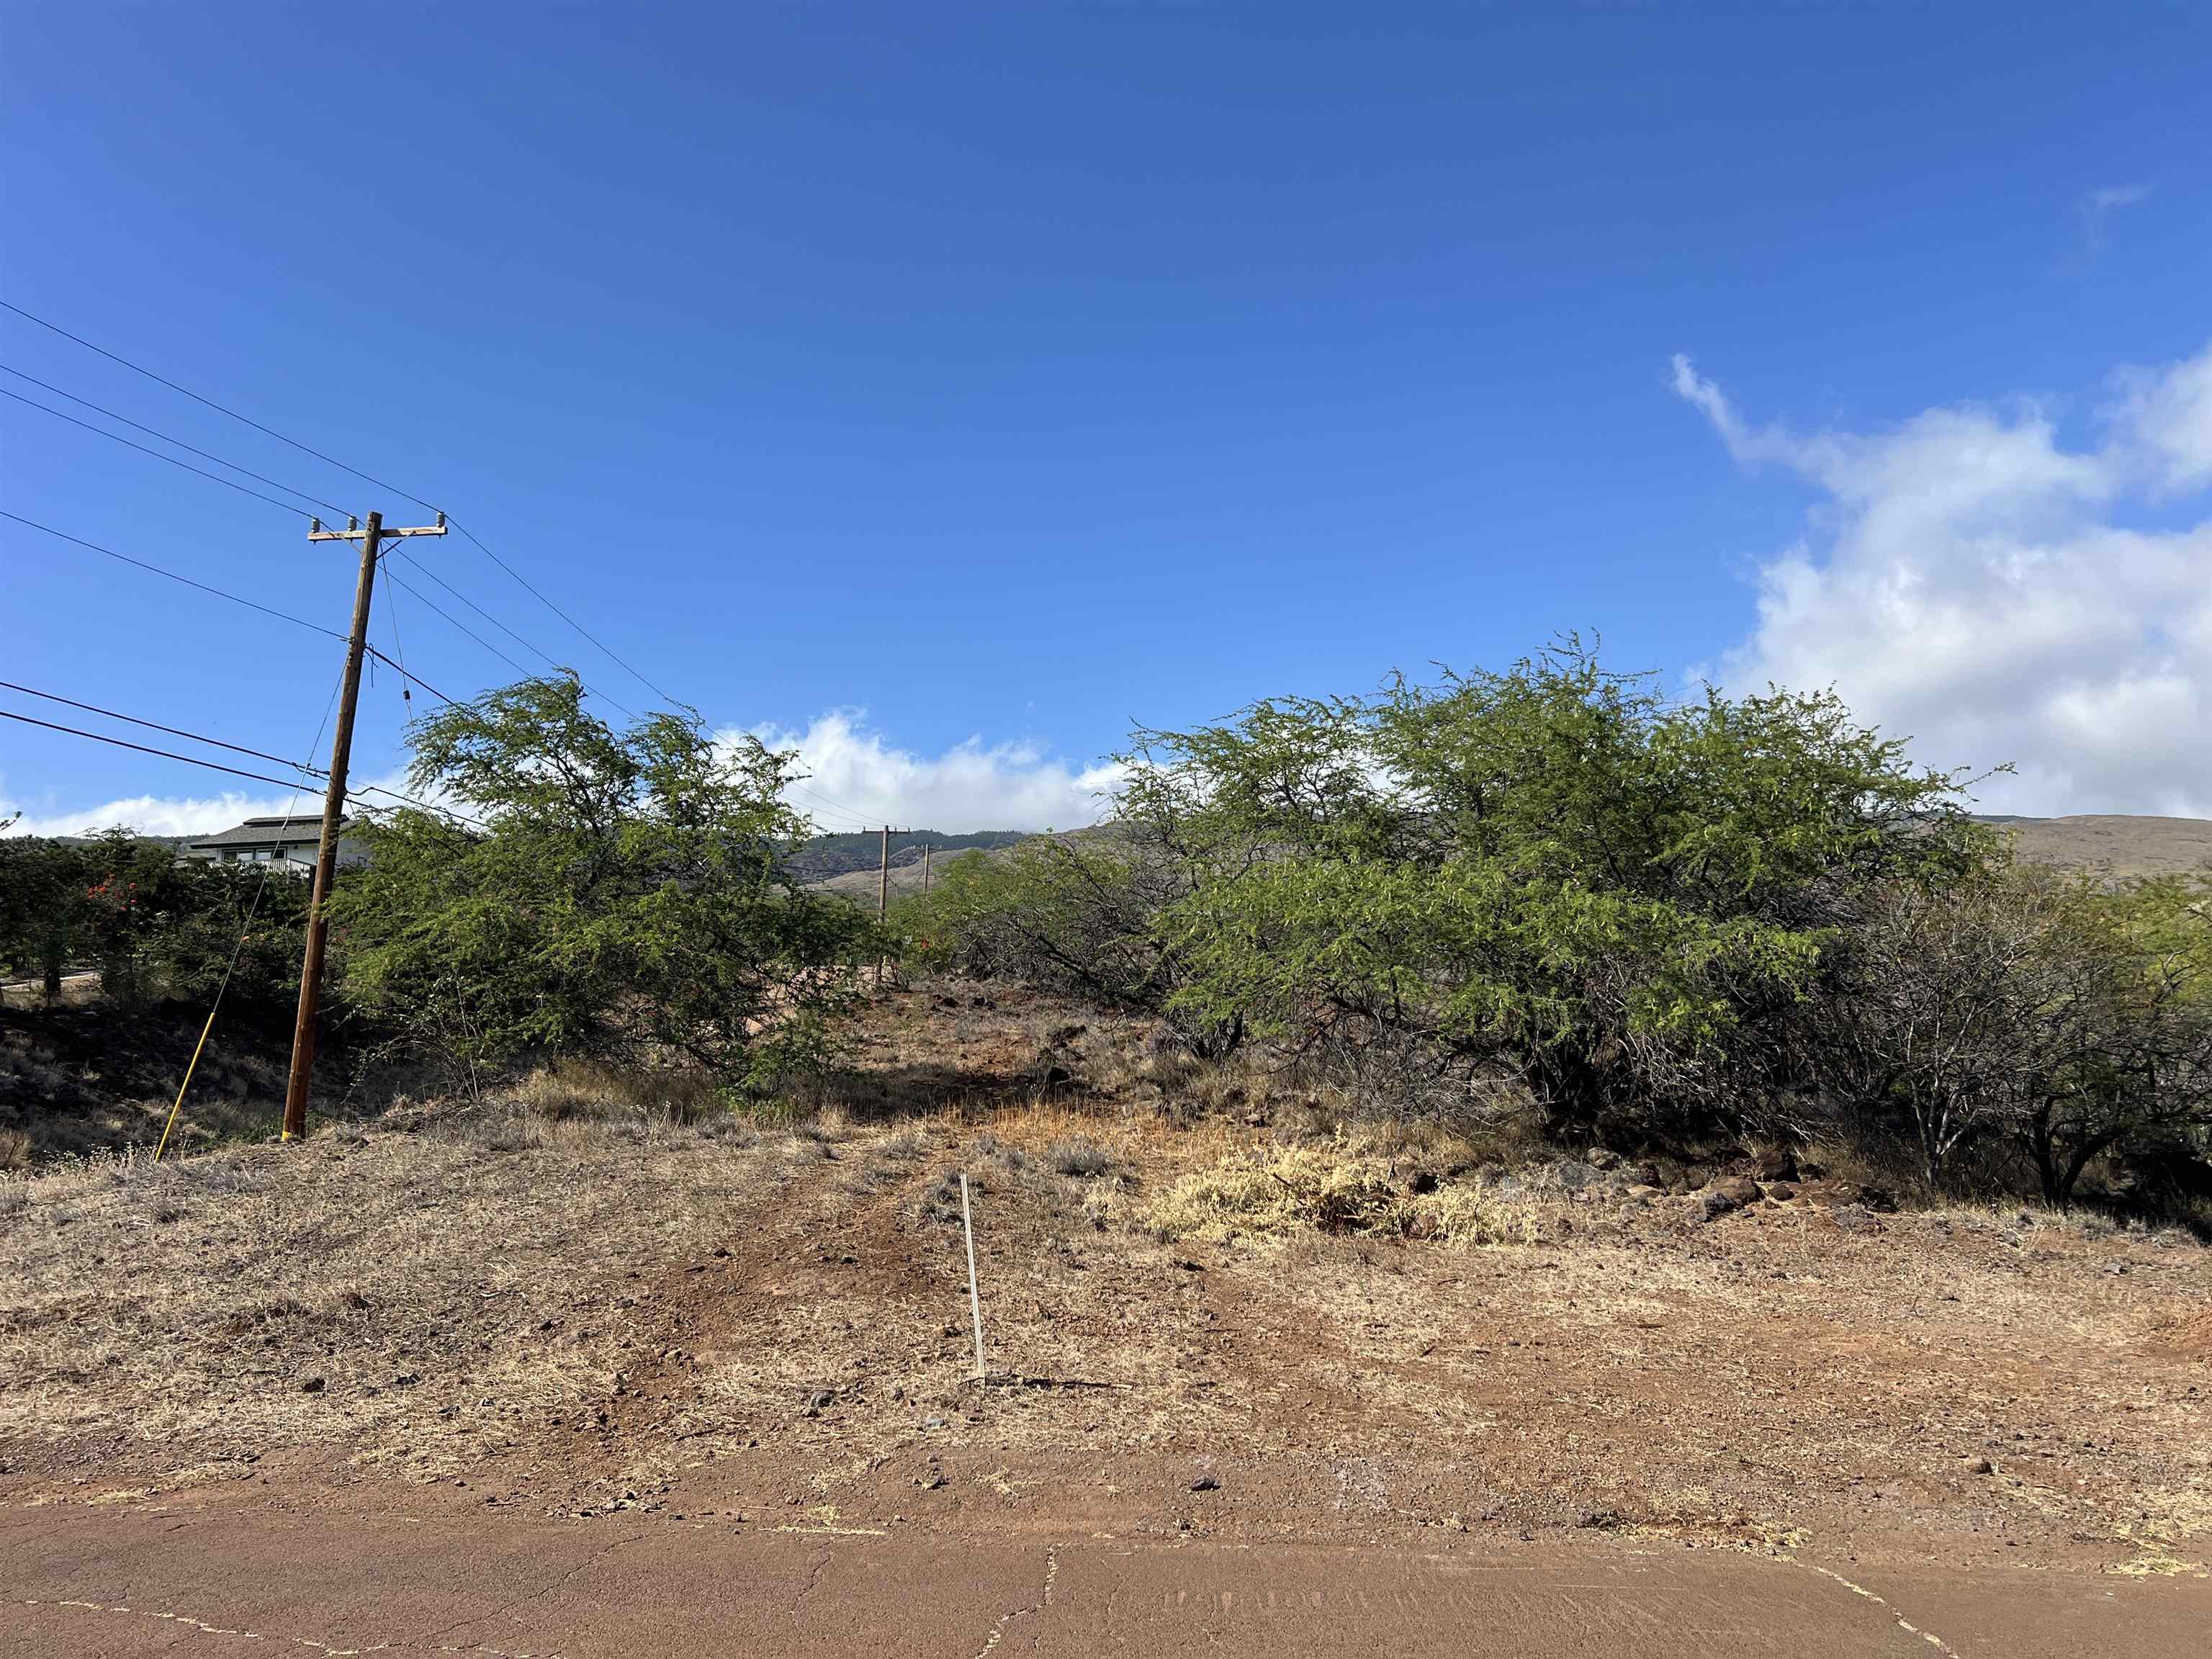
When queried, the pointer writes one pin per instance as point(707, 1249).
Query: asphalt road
point(122, 1583)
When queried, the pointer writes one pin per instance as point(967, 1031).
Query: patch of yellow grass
point(1339, 1186)
point(1466, 1217)
point(594, 1089)
point(1272, 1191)
point(2153, 1563)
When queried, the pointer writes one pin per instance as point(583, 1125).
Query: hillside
point(861, 886)
point(2117, 844)
point(827, 856)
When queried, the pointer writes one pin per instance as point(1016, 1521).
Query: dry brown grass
point(195, 1300)
point(1350, 1184)
point(594, 1089)
point(592, 1285)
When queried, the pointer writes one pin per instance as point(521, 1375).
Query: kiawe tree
point(1552, 872)
point(626, 894)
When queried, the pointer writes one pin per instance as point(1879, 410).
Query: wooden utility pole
point(926, 850)
point(883, 899)
point(371, 537)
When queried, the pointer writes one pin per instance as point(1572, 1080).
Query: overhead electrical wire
point(237, 749)
point(116, 437)
point(164, 754)
point(156, 725)
point(399, 650)
point(368, 478)
point(424, 570)
point(220, 409)
point(205, 455)
point(846, 812)
point(457, 622)
point(307, 449)
point(214, 766)
point(562, 614)
point(219, 593)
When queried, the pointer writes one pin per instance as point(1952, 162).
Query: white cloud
point(2098, 205)
point(970, 785)
point(155, 815)
point(1012, 786)
point(1973, 583)
point(2171, 415)
point(2114, 196)
point(178, 815)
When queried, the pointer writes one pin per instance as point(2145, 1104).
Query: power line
point(392, 623)
point(306, 449)
point(294, 784)
point(420, 805)
point(154, 726)
point(422, 569)
point(219, 593)
point(116, 437)
point(189, 448)
point(464, 627)
point(843, 811)
point(219, 408)
point(251, 605)
point(369, 477)
point(418, 565)
point(559, 612)
point(837, 809)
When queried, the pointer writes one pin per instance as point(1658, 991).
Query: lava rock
point(1778, 1163)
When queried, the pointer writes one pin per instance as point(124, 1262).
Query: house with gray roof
point(288, 843)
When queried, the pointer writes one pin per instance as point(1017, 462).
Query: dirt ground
point(587, 1301)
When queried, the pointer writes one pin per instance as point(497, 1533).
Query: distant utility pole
point(883, 899)
point(371, 537)
point(924, 866)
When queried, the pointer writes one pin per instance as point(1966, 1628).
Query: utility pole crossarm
point(393, 533)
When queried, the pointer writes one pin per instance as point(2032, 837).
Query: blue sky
point(942, 388)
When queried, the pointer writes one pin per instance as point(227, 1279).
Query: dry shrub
point(1466, 1217)
point(1276, 1189)
point(15, 1150)
point(1343, 1185)
point(1080, 1157)
point(592, 1089)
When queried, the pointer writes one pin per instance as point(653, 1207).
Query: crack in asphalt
point(203, 1626)
point(537, 1595)
point(1905, 1624)
point(1044, 1600)
point(813, 1578)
